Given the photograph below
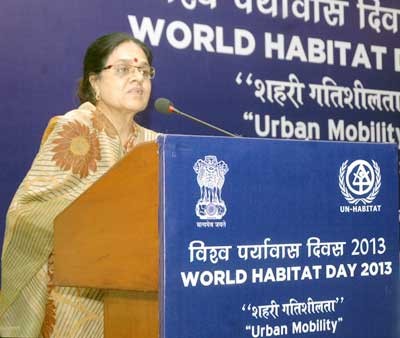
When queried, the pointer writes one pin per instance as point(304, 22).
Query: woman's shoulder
point(145, 134)
point(83, 113)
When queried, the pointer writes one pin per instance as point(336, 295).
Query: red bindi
point(135, 60)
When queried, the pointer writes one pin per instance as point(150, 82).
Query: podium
point(217, 237)
point(108, 239)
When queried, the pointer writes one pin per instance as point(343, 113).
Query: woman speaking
point(77, 149)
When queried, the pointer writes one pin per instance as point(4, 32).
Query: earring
point(97, 96)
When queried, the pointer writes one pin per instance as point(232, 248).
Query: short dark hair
point(96, 56)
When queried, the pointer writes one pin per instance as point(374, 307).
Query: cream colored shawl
point(77, 149)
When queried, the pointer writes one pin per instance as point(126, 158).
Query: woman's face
point(122, 87)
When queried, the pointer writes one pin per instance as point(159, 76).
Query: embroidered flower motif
point(77, 149)
point(50, 312)
point(132, 138)
point(102, 123)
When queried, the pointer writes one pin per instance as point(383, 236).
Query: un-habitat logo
point(359, 183)
point(210, 206)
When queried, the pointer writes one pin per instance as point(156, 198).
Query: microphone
point(165, 106)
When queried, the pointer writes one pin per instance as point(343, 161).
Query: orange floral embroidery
point(49, 319)
point(77, 149)
point(132, 139)
point(102, 123)
point(50, 312)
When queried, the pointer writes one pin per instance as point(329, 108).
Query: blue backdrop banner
point(291, 69)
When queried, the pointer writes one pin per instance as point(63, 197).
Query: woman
point(77, 149)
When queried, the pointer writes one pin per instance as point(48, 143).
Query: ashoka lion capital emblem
point(211, 178)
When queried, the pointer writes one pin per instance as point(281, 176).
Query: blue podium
point(278, 238)
point(257, 238)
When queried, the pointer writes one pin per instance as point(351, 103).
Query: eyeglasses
point(123, 69)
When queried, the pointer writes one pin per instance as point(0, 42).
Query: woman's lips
point(136, 90)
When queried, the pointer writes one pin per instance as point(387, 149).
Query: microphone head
point(164, 106)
